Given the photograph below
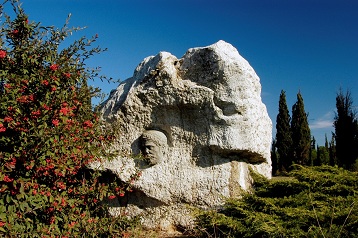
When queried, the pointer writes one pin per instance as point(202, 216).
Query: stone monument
point(199, 123)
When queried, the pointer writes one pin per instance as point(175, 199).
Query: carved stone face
point(153, 146)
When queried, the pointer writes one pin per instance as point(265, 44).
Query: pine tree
point(283, 134)
point(301, 134)
point(346, 131)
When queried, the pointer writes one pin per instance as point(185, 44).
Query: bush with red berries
point(49, 133)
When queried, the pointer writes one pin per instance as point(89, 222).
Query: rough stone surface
point(208, 106)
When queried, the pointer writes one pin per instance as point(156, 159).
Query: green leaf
point(10, 210)
point(8, 198)
point(22, 207)
point(19, 196)
point(22, 188)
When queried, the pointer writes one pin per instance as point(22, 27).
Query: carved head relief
point(153, 146)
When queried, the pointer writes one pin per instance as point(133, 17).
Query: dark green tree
point(312, 148)
point(326, 144)
point(332, 152)
point(274, 158)
point(346, 132)
point(283, 134)
point(301, 134)
point(318, 161)
point(324, 155)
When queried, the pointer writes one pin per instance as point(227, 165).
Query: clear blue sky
point(306, 45)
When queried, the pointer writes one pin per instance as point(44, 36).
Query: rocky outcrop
point(199, 122)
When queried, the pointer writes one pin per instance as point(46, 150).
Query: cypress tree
point(312, 148)
point(283, 134)
point(326, 141)
point(346, 132)
point(274, 158)
point(318, 161)
point(332, 152)
point(301, 134)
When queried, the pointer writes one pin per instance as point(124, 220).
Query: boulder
point(198, 123)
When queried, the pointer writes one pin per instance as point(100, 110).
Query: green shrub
point(315, 202)
point(49, 134)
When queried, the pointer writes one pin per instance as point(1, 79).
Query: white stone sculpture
point(212, 126)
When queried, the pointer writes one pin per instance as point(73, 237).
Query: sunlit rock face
point(200, 123)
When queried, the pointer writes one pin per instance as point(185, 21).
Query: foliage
point(274, 157)
point(322, 156)
point(313, 202)
point(283, 134)
point(346, 130)
point(49, 134)
point(312, 152)
point(332, 152)
point(301, 134)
